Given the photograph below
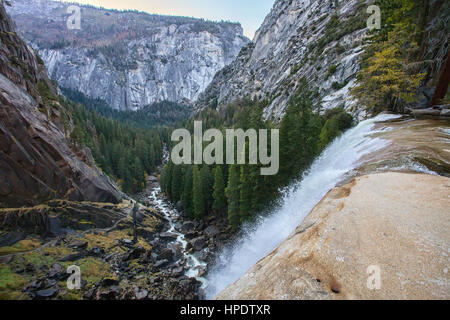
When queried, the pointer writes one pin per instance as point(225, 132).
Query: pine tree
point(259, 186)
point(389, 76)
point(220, 202)
point(198, 200)
point(138, 176)
point(299, 135)
point(166, 179)
point(329, 131)
point(187, 195)
point(233, 194)
point(177, 183)
point(245, 205)
point(207, 187)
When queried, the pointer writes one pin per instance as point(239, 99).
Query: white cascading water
point(192, 262)
point(331, 167)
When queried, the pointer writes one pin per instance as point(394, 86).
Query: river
point(193, 262)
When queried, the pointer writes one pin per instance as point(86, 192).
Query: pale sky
point(250, 13)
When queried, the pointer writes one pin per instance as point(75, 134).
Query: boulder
point(78, 244)
point(445, 113)
point(127, 242)
point(187, 226)
point(109, 282)
point(167, 254)
point(145, 233)
point(11, 238)
point(177, 272)
point(161, 263)
point(168, 236)
point(140, 294)
point(55, 270)
point(179, 206)
point(5, 259)
point(177, 251)
point(198, 243)
point(133, 254)
point(47, 293)
point(204, 255)
point(73, 257)
point(96, 251)
point(109, 293)
point(211, 231)
point(191, 235)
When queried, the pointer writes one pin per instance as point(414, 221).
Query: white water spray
point(333, 165)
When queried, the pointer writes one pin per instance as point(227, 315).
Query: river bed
point(194, 264)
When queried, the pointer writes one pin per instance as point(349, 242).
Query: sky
point(250, 13)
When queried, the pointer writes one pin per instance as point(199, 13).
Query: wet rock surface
point(396, 223)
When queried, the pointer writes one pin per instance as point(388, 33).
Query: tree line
point(238, 191)
point(157, 114)
point(123, 151)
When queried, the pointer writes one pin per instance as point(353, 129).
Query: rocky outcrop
point(37, 161)
point(313, 39)
point(394, 225)
point(56, 217)
point(438, 111)
point(38, 244)
point(322, 41)
point(128, 59)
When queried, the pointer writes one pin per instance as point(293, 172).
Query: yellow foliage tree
point(384, 82)
point(387, 80)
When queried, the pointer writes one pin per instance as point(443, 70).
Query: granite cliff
point(129, 59)
point(37, 161)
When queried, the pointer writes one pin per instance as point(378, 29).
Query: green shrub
point(331, 70)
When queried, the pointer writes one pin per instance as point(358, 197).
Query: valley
point(352, 121)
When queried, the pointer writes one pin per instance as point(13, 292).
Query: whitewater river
point(171, 214)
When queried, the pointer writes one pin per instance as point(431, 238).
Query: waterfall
point(335, 163)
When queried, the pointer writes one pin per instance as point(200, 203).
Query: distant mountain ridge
point(129, 59)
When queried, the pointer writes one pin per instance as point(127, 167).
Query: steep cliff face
point(129, 59)
point(36, 161)
point(322, 41)
point(317, 39)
